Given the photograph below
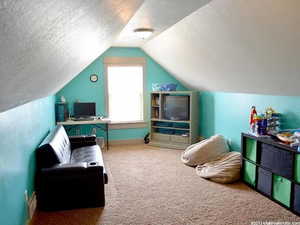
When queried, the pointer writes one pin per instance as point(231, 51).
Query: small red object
point(253, 115)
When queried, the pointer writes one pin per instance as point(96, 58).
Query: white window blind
point(125, 93)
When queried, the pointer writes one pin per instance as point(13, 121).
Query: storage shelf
point(175, 135)
point(173, 121)
point(269, 140)
point(270, 170)
point(173, 128)
point(182, 133)
point(274, 164)
point(172, 92)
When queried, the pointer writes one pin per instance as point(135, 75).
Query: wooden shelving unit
point(177, 134)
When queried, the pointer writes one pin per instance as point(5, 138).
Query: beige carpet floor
point(149, 185)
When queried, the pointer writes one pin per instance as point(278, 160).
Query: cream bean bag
point(224, 170)
point(205, 151)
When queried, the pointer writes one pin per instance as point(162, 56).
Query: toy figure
point(269, 112)
point(272, 121)
point(253, 115)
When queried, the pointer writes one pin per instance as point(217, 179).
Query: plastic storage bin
point(251, 149)
point(169, 87)
point(264, 181)
point(156, 87)
point(282, 190)
point(297, 168)
point(278, 160)
point(181, 125)
point(181, 132)
point(297, 198)
point(163, 124)
point(164, 87)
point(249, 173)
point(164, 131)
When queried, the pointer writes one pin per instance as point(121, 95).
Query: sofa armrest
point(74, 170)
point(73, 185)
point(82, 140)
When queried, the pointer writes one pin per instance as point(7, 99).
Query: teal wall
point(228, 113)
point(82, 89)
point(21, 131)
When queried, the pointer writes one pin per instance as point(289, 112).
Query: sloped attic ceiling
point(235, 46)
point(227, 45)
point(44, 44)
point(156, 14)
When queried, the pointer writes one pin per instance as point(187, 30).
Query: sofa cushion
point(86, 154)
point(89, 154)
point(61, 145)
point(55, 148)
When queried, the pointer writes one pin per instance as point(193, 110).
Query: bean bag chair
point(205, 151)
point(224, 170)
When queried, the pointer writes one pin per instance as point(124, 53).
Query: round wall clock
point(94, 77)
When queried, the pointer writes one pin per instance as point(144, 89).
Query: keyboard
point(84, 118)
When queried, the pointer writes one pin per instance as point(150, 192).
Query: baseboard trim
point(31, 207)
point(201, 138)
point(126, 142)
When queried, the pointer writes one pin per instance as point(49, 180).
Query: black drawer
point(278, 160)
point(296, 202)
point(264, 181)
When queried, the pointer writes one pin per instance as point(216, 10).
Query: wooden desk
point(97, 123)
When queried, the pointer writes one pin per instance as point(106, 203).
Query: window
point(125, 90)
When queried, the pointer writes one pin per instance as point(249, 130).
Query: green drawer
point(297, 168)
point(250, 151)
point(249, 173)
point(282, 190)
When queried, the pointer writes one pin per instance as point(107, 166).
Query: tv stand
point(173, 133)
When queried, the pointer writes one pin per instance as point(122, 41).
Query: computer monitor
point(84, 109)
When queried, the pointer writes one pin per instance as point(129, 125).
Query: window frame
point(125, 61)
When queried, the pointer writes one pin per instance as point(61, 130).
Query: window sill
point(127, 125)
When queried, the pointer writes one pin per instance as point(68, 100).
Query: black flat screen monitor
point(177, 108)
point(84, 109)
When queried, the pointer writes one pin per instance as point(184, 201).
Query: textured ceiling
point(156, 14)
point(235, 46)
point(220, 45)
point(45, 43)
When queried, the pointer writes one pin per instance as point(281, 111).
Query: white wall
point(235, 46)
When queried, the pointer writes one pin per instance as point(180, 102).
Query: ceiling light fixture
point(143, 33)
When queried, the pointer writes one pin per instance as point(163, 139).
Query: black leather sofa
point(70, 172)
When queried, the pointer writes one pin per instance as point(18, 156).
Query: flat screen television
point(84, 109)
point(176, 107)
